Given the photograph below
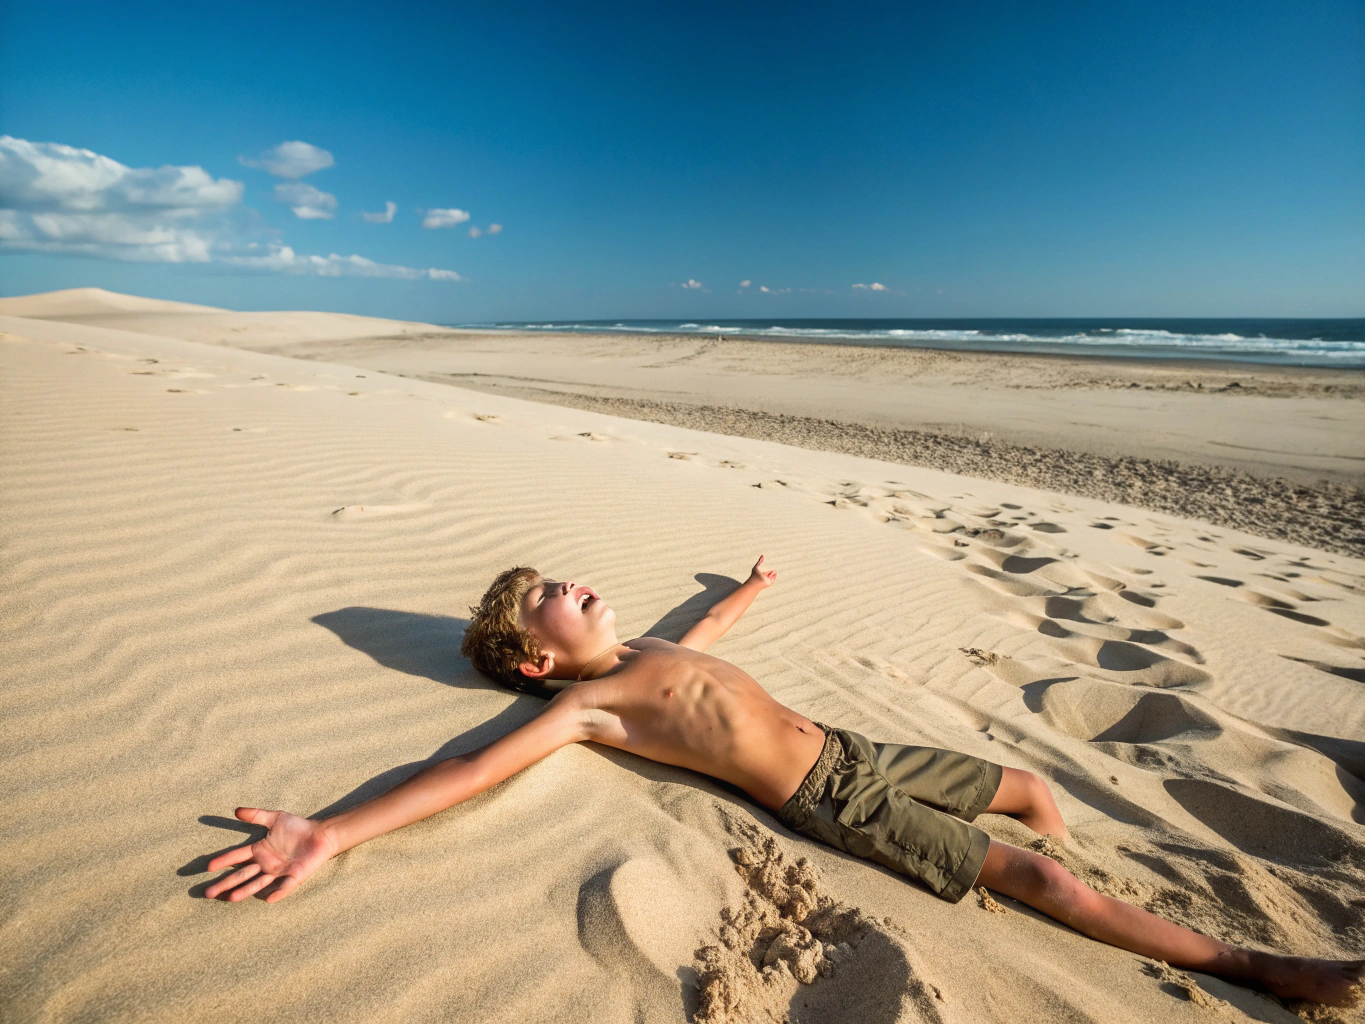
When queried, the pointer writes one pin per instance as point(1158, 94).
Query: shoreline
point(1201, 363)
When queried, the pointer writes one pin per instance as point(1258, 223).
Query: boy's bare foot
point(1335, 982)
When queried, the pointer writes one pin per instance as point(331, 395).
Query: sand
point(1274, 451)
point(239, 578)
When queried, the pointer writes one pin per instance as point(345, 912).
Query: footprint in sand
point(1355, 674)
point(1084, 627)
point(585, 436)
point(1101, 712)
point(1282, 608)
point(1047, 528)
point(1265, 830)
point(374, 511)
point(1107, 608)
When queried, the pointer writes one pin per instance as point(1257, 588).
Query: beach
point(1275, 450)
point(239, 553)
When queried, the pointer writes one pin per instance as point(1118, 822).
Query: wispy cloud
point(282, 258)
point(290, 160)
point(495, 229)
point(475, 232)
point(61, 199)
point(875, 286)
point(386, 217)
point(444, 218)
point(773, 291)
point(307, 202)
point(745, 284)
point(689, 283)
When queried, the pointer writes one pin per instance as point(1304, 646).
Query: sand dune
point(71, 303)
point(233, 577)
point(301, 332)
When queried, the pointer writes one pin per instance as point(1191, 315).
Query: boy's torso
point(685, 708)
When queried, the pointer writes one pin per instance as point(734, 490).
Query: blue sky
point(991, 159)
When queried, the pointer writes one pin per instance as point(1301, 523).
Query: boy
point(905, 807)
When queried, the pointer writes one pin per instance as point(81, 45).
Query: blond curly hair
point(495, 640)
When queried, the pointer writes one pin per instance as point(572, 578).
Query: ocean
point(1317, 342)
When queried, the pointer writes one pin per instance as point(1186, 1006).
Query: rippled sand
point(233, 577)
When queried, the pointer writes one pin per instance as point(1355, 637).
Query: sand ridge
point(238, 578)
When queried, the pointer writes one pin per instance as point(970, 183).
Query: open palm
point(291, 851)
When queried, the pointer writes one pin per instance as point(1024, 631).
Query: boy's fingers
point(257, 816)
point(231, 857)
point(236, 878)
point(286, 886)
point(251, 888)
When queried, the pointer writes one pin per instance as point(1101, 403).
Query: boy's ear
point(540, 668)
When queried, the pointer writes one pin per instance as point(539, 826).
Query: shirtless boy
point(907, 808)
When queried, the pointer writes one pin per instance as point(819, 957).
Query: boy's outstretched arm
point(725, 612)
point(296, 847)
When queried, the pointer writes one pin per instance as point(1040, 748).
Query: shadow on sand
point(680, 619)
point(428, 646)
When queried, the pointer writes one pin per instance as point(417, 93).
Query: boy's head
point(528, 629)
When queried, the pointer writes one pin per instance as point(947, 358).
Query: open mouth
point(584, 599)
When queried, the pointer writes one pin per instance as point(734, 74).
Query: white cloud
point(283, 259)
point(58, 198)
point(745, 284)
point(290, 160)
point(390, 208)
point(474, 232)
point(307, 202)
point(444, 218)
point(773, 291)
point(689, 283)
point(873, 287)
point(494, 229)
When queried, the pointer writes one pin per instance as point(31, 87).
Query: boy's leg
point(1046, 886)
point(1025, 796)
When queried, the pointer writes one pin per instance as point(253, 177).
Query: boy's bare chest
point(669, 699)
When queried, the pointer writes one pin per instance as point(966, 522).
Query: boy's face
point(569, 619)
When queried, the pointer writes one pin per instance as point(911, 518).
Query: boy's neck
point(596, 659)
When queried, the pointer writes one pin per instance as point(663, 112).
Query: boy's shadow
point(428, 646)
point(680, 619)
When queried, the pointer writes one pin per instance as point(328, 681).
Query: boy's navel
point(668, 693)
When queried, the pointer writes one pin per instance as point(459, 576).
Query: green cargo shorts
point(904, 807)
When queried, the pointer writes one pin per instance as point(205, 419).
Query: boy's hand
point(291, 851)
point(761, 577)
